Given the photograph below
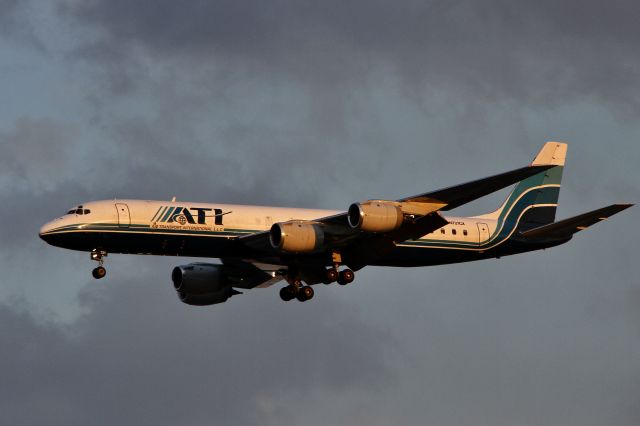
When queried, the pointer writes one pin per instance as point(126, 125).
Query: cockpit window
point(79, 210)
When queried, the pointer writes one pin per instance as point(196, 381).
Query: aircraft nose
point(45, 229)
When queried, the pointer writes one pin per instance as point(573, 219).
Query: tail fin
point(533, 201)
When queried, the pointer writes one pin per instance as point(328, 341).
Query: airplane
point(260, 246)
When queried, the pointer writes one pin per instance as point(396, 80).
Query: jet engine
point(297, 236)
point(375, 216)
point(202, 284)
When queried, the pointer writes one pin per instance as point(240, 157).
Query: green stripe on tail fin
point(533, 201)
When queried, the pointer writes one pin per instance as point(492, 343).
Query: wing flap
point(247, 274)
point(419, 227)
point(567, 227)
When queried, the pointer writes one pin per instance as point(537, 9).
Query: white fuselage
point(188, 219)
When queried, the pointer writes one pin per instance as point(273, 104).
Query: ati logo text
point(184, 215)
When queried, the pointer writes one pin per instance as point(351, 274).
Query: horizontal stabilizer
point(567, 227)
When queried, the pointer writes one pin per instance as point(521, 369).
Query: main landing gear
point(296, 290)
point(98, 256)
point(343, 277)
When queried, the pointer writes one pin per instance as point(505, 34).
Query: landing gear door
point(483, 233)
point(124, 217)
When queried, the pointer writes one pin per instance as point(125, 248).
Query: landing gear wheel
point(332, 275)
point(305, 293)
point(99, 272)
point(346, 277)
point(98, 256)
point(287, 293)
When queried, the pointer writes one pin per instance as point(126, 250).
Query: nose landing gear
point(98, 256)
point(99, 272)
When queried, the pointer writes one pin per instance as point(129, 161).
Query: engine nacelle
point(297, 236)
point(201, 284)
point(375, 216)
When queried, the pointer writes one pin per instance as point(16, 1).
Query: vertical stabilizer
point(552, 153)
point(533, 201)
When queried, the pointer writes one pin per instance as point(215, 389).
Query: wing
point(455, 196)
point(566, 228)
point(425, 219)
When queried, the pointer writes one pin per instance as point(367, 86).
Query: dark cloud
point(30, 138)
point(9, 17)
point(16, 24)
point(319, 105)
point(227, 366)
point(534, 52)
point(434, 348)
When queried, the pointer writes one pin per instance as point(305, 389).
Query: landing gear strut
point(98, 256)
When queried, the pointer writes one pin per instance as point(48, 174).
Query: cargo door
point(124, 217)
point(483, 233)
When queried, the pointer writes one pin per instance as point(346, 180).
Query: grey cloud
point(318, 105)
point(232, 164)
point(140, 356)
point(437, 347)
point(30, 208)
point(16, 24)
point(9, 19)
point(535, 52)
point(33, 139)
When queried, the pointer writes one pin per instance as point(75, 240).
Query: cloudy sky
point(318, 104)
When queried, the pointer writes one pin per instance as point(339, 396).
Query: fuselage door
point(124, 217)
point(483, 233)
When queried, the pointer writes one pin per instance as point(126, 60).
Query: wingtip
point(617, 208)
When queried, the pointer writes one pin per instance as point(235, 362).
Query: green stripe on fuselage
point(157, 213)
point(167, 214)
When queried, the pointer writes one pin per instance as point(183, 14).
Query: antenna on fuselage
point(173, 200)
